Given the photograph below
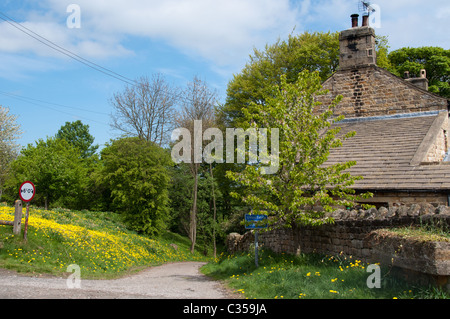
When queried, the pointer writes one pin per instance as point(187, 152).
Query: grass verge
point(95, 241)
point(310, 276)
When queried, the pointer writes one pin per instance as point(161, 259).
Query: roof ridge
point(392, 116)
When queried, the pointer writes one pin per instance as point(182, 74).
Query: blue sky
point(211, 39)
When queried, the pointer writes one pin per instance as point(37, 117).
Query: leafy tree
point(316, 51)
point(308, 51)
point(77, 134)
point(9, 132)
point(181, 203)
point(208, 195)
point(180, 194)
point(56, 169)
point(303, 181)
point(382, 49)
point(136, 173)
point(435, 60)
point(197, 104)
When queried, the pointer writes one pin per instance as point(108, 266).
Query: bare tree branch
point(146, 109)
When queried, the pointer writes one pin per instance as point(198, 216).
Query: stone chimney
point(420, 81)
point(357, 45)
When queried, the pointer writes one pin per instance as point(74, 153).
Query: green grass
point(423, 232)
point(309, 276)
point(98, 242)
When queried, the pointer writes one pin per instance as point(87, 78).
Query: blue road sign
point(255, 221)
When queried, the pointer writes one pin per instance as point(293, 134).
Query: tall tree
point(213, 192)
point(9, 133)
point(56, 169)
point(197, 104)
point(435, 60)
point(303, 181)
point(146, 109)
point(180, 194)
point(77, 134)
point(136, 173)
point(316, 51)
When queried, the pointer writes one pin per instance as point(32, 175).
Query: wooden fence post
point(17, 217)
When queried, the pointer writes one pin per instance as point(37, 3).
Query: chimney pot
point(423, 73)
point(420, 81)
point(354, 20)
point(365, 20)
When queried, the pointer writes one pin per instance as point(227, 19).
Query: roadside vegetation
point(425, 232)
point(98, 242)
point(101, 245)
point(310, 276)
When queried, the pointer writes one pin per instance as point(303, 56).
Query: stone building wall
point(349, 234)
point(373, 91)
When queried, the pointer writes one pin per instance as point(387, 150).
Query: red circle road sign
point(26, 191)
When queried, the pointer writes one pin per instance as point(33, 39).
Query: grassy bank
point(282, 276)
point(96, 241)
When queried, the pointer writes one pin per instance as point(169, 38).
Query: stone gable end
point(373, 91)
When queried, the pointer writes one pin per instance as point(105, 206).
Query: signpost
point(26, 193)
point(255, 222)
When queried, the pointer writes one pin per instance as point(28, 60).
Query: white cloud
point(411, 23)
point(415, 23)
point(221, 30)
point(14, 40)
point(217, 30)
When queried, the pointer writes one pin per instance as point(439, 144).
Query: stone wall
point(407, 198)
point(426, 262)
point(352, 234)
point(373, 91)
point(349, 233)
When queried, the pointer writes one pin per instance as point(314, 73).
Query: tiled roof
point(386, 150)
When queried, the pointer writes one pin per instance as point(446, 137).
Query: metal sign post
point(26, 193)
point(25, 232)
point(255, 222)
point(256, 249)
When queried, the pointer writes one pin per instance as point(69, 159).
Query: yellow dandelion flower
point(334, 292)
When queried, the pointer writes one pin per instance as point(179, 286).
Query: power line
point(38, 103)
point(24, 98)
point(64, 51)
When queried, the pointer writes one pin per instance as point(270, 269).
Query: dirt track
point(175, 281)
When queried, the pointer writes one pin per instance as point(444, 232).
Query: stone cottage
point(401, 149)
point(401, 143)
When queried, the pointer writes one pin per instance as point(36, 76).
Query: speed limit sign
point(26, 191)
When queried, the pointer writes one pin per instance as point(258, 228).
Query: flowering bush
point(98, 247)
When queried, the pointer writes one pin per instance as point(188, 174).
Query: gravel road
point(174, 280)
